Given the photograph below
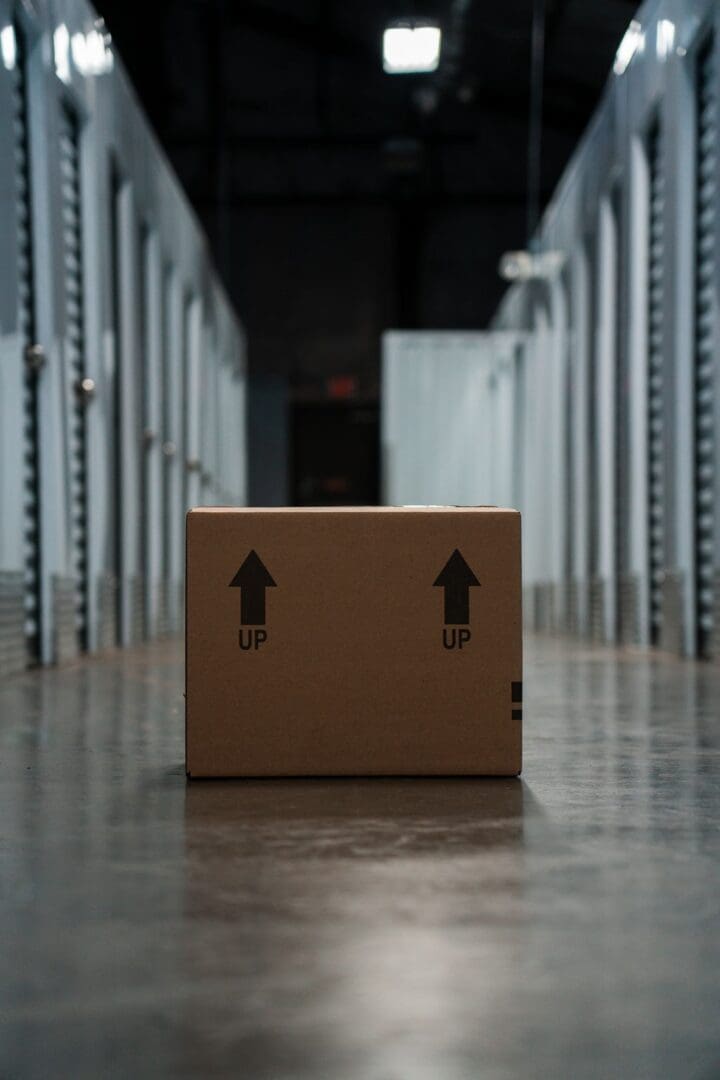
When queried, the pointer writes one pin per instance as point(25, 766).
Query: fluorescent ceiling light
point(631, 42)
point(8, 46)
point(665, 38)
point(526, 265)
point(91, 54)
point(61, 48)
point(411, 48)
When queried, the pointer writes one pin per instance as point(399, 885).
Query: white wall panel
point(447, 406)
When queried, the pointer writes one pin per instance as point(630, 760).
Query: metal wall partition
point(613, 432)
point(449, 400)
point(116, 411)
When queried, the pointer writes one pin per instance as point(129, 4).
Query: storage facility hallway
point(360, 540)
point(562, 924)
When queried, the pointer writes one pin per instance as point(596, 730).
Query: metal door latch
point(35, 358)
point(85, 389)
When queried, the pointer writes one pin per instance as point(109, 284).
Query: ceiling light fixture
point(91, 54)
point(8, 46)
point(61, 49)
point(411, 47)
point(528, 265)
point(631, 42)
point(665, 38)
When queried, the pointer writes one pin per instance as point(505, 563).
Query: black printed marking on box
point(253, 578)
point(516, 691)
point(251, 639)
point(517, 714)
point(456, 578)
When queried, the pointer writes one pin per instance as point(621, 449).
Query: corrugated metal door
point(169, 450)
point(518, 480)
point(32, 358)
point(187, 461)
point(152, 394)
point(625, 610)
point(705, 221)
point(144, 425)
point(115, 479)
point(655, 436)
point(592, 428)
point(568, 508)
point(80, 389)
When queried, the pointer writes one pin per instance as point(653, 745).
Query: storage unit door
point(113, 606)
point(705, 211)
point(655, 436)
point(80, 389)
point(626, 614)
point(169, 459)
point(20, 604)
point(143, 414)
point(592, 428)
point(569, 375)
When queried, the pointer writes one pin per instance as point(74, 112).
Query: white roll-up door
point(31, 357)
point(79, 389)
point(705, 222)
point(624, 613)
point(592, 422)
point(655, 437)
point(169, 451)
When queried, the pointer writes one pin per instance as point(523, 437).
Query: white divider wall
point(447, 408)
point(481, 418)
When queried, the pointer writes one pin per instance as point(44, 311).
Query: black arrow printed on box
point(456, 578)
point(253, 578)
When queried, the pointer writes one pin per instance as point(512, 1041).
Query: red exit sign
point(342, 387)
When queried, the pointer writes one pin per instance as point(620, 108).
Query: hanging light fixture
point(411, 46)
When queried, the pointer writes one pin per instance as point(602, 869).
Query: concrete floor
point(565, 925)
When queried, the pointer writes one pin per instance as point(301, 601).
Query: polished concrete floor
point(564, 925)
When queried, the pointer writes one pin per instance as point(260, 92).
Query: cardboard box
point(354, 641)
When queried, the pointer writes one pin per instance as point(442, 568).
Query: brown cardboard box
point(358, 641)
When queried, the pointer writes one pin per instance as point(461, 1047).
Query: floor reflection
point(372, 817)
point(362, 928)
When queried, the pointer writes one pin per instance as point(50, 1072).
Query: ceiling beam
point(497, 199)
point(312, 34)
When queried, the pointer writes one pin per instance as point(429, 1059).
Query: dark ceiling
point(316, 174)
